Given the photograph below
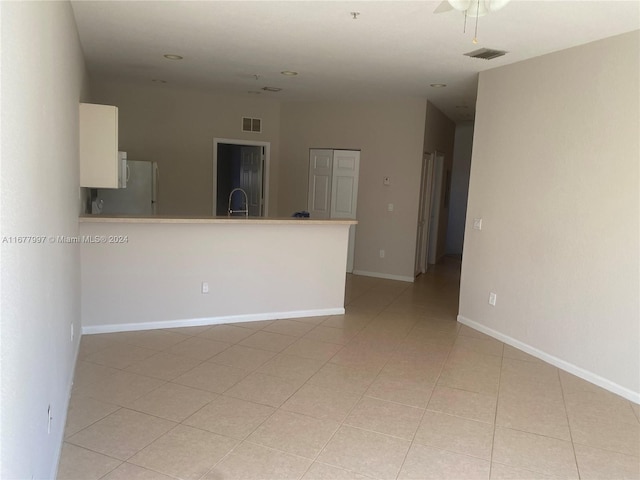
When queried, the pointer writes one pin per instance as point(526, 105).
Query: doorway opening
point(430, 209)
point(240, 164)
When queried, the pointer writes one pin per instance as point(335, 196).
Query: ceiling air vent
point(251, 125)
point(485, 54)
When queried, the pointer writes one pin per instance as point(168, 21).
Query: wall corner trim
point(555, 361)
point(199, 322)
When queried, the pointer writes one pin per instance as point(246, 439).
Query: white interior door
point(251, 178)
point(434, 209)
point(344, 193)
point(320, 171)
point(426, 183)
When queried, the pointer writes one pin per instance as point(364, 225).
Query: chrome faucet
point(246, 203)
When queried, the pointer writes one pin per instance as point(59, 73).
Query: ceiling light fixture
point(438, 85)
point(355, 15)
point(289, 73)
point(171, 56)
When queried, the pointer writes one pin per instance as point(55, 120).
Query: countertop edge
point(216, 220)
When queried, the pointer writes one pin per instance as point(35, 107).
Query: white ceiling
point(394, 48)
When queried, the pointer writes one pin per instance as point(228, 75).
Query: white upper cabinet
point(99, 163)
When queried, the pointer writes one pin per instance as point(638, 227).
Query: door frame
point(265, 169)
point(435, 208)
point(424, 212)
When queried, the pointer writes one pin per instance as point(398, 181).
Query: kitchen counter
point(213, 220)
point(141, 273)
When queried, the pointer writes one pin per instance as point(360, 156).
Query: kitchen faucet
point(246, 203)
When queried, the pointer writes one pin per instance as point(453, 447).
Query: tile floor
point(395, 388)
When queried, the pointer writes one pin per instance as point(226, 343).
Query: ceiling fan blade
point(444, 6)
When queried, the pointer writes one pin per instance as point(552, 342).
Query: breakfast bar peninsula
point(141, 273)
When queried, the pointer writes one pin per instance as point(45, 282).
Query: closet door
point(319, 194)
point(344, 184)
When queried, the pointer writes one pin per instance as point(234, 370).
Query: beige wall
point(461, 169)
point(439, 134)
point(390, 135)
point(42, 83)
point(176, 127)
point(554, 175)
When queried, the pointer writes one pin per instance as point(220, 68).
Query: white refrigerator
point(140, 195)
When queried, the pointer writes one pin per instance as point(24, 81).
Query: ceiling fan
point(471, 8)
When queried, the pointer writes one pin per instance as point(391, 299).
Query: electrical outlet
point(492, 299)
point(205, 287)
point(390, 207)
point(381, 253)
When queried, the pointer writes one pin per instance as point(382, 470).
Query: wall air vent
point(251, 125)
point(485, 54)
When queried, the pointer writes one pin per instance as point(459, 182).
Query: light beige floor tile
point(517, 372)
point(272, 342)
point(596, 464)
point(456, 434)
point(190, 331)
point(340, 336)
point(636, 409)
point(294, 433)
point(514, 353)
point(462, 403)
point(607, 435)
point(534, 452)
point(413, 368)
point(385, 417)
point(227, 333)
point(504, 472)
point(77, 463)
point(470, 332)
point(164, 366)
point(120, 355)
point(85, 411)
point(255, 462)
point(414, 393)
point(291, 367)
point(212, 377)
point(321, 403)
point(258, 325)
point(199, 348)
point(544, 414)
point(155, 339)
point(368, 453)
point(313, 349)
point(426, 463)
point(128, 471)
point(352, 322)
point(289, 327)
point(184, 452)
point(317, 320)
point(172, 401)
point(231, 417)
point(472, 377)
point(263, 389)
point(487, 346)
point(362, 357)
point(342, 378)
point(120, 388)
point(242, 357)
point(436, 335)
point(600, 405)
point(572, 384)
point(122, 434)
point(87, 373)
point(320, 471)
point(94, 343)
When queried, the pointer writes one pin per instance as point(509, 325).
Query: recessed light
point(289, 73)
point(271, 89)
point(438, 85)
point(171, 56)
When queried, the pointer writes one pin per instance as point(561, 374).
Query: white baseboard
point(561, 364)
point(387, 276)
point(198, 322)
